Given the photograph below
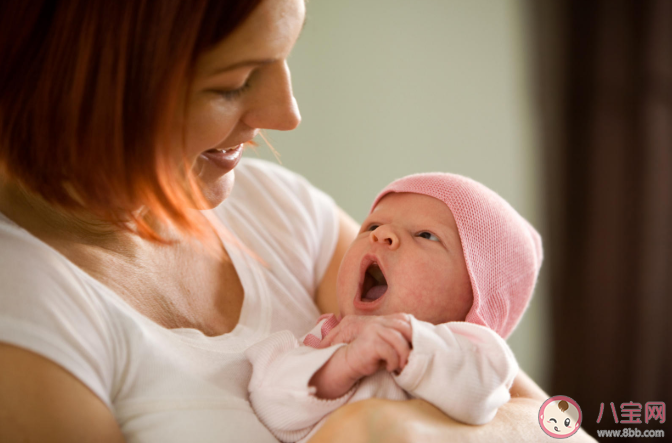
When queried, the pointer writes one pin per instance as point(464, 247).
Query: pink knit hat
point(502, 250)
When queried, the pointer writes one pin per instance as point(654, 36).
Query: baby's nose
point(385, 235)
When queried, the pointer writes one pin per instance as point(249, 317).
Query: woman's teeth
point(220, 150)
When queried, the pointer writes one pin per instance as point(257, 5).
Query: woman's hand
point(378, 420)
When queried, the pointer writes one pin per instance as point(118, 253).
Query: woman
point(119, 123)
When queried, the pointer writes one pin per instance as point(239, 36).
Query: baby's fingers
point(345, 331)
point(387, 353)
point(402, 348)
point(402, 323)
point(331, 337)
point(353, 325)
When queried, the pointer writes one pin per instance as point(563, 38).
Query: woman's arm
point(325, 298)
point(40, 401)
point(377, 420)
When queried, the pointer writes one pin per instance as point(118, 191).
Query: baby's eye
point(428, 236)
point(372, 227)
point(553, 420)
point(567, 422)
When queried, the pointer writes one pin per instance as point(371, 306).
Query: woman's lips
point(224, 159)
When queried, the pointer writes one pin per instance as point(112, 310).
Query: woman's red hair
point(89, 90)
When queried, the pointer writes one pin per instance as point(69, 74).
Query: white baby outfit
point(177, 385)
point(464, 369)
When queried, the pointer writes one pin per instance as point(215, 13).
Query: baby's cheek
point(418, 292)
point(347, 282)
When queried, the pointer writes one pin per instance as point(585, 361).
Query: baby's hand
point(375, 342)
point(352, 326)
point(372, 342)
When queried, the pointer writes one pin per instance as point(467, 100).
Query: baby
point(439, 275)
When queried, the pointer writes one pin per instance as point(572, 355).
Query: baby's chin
point(346, 310)
point(351, 310)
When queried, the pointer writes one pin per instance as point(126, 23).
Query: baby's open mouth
point(374, 285)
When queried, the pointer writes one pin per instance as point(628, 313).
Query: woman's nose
point(385, 235)
point(274, 105)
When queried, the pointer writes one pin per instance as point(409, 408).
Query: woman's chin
point(216, 191)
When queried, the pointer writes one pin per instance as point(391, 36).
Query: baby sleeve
point(464, 369)
point(279, 391)
point(45, 308)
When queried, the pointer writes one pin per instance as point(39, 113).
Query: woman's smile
point(224, 158)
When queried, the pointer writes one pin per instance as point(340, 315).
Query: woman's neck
point(72, 233)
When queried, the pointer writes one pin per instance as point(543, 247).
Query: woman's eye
point(567, 422)
point(234, 93)
point(428, 236)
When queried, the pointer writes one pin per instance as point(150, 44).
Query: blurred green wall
point(390, 87)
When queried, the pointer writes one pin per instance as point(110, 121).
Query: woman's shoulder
point(25, 260)
point(38, 284)
point(49, 308)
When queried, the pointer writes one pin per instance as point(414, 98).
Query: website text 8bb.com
point(628, 432)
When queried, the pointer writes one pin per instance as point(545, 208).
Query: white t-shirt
point(176, 385)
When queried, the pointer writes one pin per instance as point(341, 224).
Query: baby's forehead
point(402, 200)
point(415, 206)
